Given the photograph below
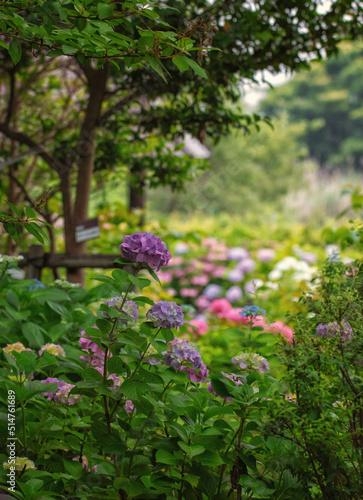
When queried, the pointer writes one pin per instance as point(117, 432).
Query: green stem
point(4, 270)
point(142, 429)
point(143, 354)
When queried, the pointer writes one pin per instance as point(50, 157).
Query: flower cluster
point(54, 349)
point(251, 360)
point(129, 406)
point(341, 330)
point(96, 356)
point(129, 308)
point(181, 353)
point(66, 284)
point(61, 395)
point(251, 311)
point(166, 314)
point(17, 347)
point(37, 284)
point(20, 464)
point(10, 258)
point(145, 248)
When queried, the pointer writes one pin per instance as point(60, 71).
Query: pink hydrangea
point(234, 316)
point(201, 327)
point(188, 292)
point(95, 355)
point(220, 307)
point(129, 406)
point(61, 395)
point(200, 280)
point(279, 328)
point(259, 321)
point(202, 303)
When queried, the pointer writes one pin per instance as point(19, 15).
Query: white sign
point(87, 230)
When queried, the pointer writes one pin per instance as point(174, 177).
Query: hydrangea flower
point(252, 286)
point(265, 254)
point(183, 356)
point(212, 291)
point(11, 258)
point(85, 463)
point(251, 361)
point(234, 293)
point(20, 463)
point(37, 284)
point(279, 328)
point(129, 406)
point(220, 307)
point(61, 395)
point(200, 327)
point(54, 349)
point(95, 355)
point(235, 276)
point(166, 314)
point(67, 284)
point(251, 311)
point(145, 248)
point(181, 248)
point(130, 308)
point(342, 331)
point(237, 253)
point(17, 347)
point(246, 265)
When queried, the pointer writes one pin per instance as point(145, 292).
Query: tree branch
point(22, 138)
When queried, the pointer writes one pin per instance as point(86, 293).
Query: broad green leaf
point(15, 50)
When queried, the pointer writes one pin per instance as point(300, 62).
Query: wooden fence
point(36, 259)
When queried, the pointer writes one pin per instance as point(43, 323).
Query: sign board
point(87, 230)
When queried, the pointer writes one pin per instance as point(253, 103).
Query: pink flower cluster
point(61, 395)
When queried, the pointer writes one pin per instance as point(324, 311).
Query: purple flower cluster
point(181, 353)
point(61, 395)
point(166, 314)
point(145, 248)
point(251, 360)
point(342, 331)
point(129, 308)
point(232, 377)
point(96, 356)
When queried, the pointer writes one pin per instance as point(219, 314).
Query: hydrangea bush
point(124, 405)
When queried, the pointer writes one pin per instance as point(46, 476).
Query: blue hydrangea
point(250, 311)
point(38, 284)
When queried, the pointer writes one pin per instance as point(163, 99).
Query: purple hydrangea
point(234, 293)
point(61, 395)
point(342, 330)
point(237, 253)
point(251, 360)
point(246, 265)
point(212, 291)
point(145, 248)
point(183, 356)
point(235, 276)
point(129, 308)
point(129, 406)
point(166, 314)
point(95, 355)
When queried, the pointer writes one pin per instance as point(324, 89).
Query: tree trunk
point(137, 197)
point(84, 154)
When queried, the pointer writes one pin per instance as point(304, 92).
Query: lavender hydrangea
point(61, 395)
point(166, 314)
point(129, 308)
point(183, 356)
point(251, 361)
point(341, 330)
point(145, 248)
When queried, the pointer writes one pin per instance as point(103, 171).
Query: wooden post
point(35, 262)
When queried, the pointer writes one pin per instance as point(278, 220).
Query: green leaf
point(33, 334)
point(165, 457)
point(258, 487)
point(210, 458)
point(105, 10)
point(153, 274)
point(181, 62)
point(69, 50)
point(15, 50)
point(196, 68)
point(143, 300)
point(29, 213)
point(191, 451)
